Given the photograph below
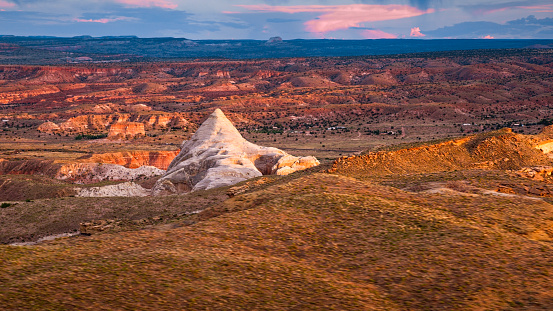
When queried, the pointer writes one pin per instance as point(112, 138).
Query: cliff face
point(136, 159)
point(126, 130)
point(7, 97)
point(81, 173)
point(88, 123)
point(101, 122)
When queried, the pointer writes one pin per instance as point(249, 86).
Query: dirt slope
point(320, 240)
point(493, 150)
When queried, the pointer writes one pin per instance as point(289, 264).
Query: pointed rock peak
point(217, 125)
point(218, 113)
point(218, 117)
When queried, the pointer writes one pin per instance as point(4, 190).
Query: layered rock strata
point(135, 159)
point(91, 123)
point(126, 130)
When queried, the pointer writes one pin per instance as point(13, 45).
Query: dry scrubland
point(390, 220)
point(330, 106)
point(360, 237)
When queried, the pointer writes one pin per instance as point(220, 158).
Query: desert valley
point(385, 182)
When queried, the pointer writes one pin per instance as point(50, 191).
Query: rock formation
point(126, 130)
point(87, 173)
point(217, 155)
point(93, 123)
point(274, 41)
point(135, 159)
point(127, 189)
point(48, 127)
point(80, 173)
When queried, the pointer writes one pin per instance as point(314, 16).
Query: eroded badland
point(434, 189)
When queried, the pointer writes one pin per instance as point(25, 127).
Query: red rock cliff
point(126, 130)
point(135, 159)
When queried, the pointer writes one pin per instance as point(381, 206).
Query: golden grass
point(311, 242)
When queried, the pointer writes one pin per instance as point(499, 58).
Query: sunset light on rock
point(276, 155)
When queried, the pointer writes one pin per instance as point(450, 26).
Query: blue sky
point(306, 19)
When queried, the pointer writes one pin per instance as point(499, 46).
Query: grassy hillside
point(372, 232)
point(320, 240)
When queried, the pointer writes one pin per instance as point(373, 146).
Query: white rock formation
point(127, 189)
point(217, 155)
point(86, 173)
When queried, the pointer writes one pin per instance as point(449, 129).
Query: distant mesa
point(217, 155)
point(540, 46)
point(274, 40)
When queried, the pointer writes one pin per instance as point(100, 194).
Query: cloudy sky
point(261, 19)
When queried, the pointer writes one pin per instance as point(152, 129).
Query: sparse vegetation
point(440, 209)
point(90, 136)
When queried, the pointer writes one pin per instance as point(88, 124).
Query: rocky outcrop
point(127, 189)
point(7, 97)
point(87, 173)
point(223, 74)
point(89, 123)
point(126, 130)
point(101, 122)
point(113, 108)
point(48, 127)
point(217, 155)
point(136, 159)
point(82, 173)
point(539, 173)
point(545, 146)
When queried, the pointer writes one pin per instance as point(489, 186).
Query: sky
point(262, 19)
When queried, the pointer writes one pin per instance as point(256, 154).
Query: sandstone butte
point(217, 155)
point(126, 130)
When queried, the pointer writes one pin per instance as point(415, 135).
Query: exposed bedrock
point(217, 155)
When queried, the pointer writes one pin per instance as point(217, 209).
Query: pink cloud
point(488, 37)
point(102, 20)
point(377, 34)
point(166, 4)
point(485, 12)
point(336, 17)
point(547, 8)
point(6, 4)
point(539, 8)
point(416, 32)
